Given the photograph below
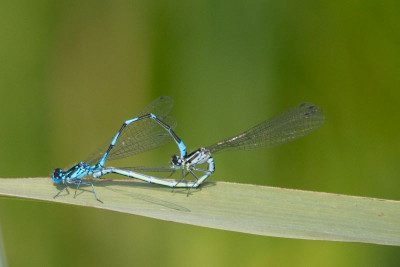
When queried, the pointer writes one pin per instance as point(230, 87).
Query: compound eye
point(175, 160)
point(57, 173)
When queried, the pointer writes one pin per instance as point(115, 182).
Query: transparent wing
point(159, 107)
point(134, 141)
point(286, 127)
point(142, 135)
point(131, 142)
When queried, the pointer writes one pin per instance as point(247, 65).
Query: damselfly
point(286, 127)
point(151, 128)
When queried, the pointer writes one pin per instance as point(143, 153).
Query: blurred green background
point(72, 71)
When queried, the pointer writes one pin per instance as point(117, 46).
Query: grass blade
point(243, 208)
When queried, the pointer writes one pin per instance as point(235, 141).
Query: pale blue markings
point(103, 160)
point(130, 121)
point(115, 139)
point(182, 149)
point(211, 166)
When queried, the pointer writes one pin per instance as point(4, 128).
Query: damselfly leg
point(62, 190)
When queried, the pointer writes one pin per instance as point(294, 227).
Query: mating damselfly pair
point(152, 128)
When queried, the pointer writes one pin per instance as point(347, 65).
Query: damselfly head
point(176, 162)
point(57, 175)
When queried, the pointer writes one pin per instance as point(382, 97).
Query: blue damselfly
point(151, 128)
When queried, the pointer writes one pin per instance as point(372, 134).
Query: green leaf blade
point(243, 208)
